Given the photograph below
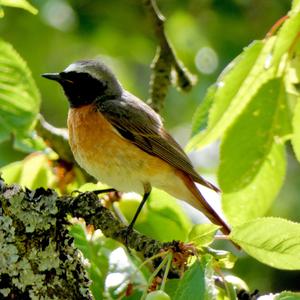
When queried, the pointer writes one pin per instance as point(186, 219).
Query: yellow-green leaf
point(273, 241)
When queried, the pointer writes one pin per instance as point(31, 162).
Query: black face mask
point(81, 88)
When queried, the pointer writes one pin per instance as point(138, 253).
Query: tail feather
point(201, 204)
point(206, 183)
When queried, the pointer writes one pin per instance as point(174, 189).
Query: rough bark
point(164, 62)
point(38, 259)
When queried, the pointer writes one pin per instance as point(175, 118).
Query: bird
point(121, 141)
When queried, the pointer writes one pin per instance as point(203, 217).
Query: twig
point(57, 140)
point(164, 61)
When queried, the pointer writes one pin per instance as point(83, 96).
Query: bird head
point(87, 81)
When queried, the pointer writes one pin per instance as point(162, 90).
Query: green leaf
point(192, 285)
point(248, 142)
point(255, 199)
point(197, 282)
point(160, 211)
point(99, 264)
point(235, 90)
point(12, 172)
point(237, 282)
point(295, 5)
point(203, 234)
point(32, 172)
point(20, 4)
point(19, 96)
point(231, 291)
point(287, 296)
point(171, 287)
point(201, 115)
point(272, 241)
point(296, 131)
point(287, 35)
point(222, 259)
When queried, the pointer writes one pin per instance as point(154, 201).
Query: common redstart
point(121, 141)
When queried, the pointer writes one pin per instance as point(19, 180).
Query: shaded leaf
point(273, 241)
point(197, 282)
point(98, 262)
point(192, 285)
point(171, 287)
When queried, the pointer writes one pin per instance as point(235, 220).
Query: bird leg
point(147, 191)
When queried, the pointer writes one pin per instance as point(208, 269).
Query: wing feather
point(138, 123)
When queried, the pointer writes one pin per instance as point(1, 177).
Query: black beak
point(52, 76)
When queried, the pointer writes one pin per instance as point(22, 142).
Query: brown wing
point(138, 123)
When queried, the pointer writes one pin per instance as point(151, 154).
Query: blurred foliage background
point(207, 35)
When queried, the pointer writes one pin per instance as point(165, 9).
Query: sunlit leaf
point(287, 34)
point(273, 241)
point(1, 12)
point(248, 142)
point(255, 199)
point(20, 4)
point(19, 97)
point(287, 296)
point(222, 259)
point(32, 172)
point(201, 115)
point(235, 89)
point(296, 5)
point(237, 282)
point(203, 234)
point(296, 132)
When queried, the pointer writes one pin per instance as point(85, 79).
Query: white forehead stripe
point(82, 68)
point(74, 68)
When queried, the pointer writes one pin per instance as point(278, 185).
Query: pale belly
point(103, 153)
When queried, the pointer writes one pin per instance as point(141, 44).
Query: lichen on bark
point(37, 256)
point(38, 259)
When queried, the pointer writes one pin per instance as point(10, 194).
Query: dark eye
point(67, 77)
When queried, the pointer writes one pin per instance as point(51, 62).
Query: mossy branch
point(38, 258)
point(164, 62)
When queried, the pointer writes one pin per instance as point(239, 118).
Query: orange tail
point(199, 202)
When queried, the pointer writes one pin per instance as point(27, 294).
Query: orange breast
point(105, 154)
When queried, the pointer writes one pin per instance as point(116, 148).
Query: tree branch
point(38, 257)
point(164, 62)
